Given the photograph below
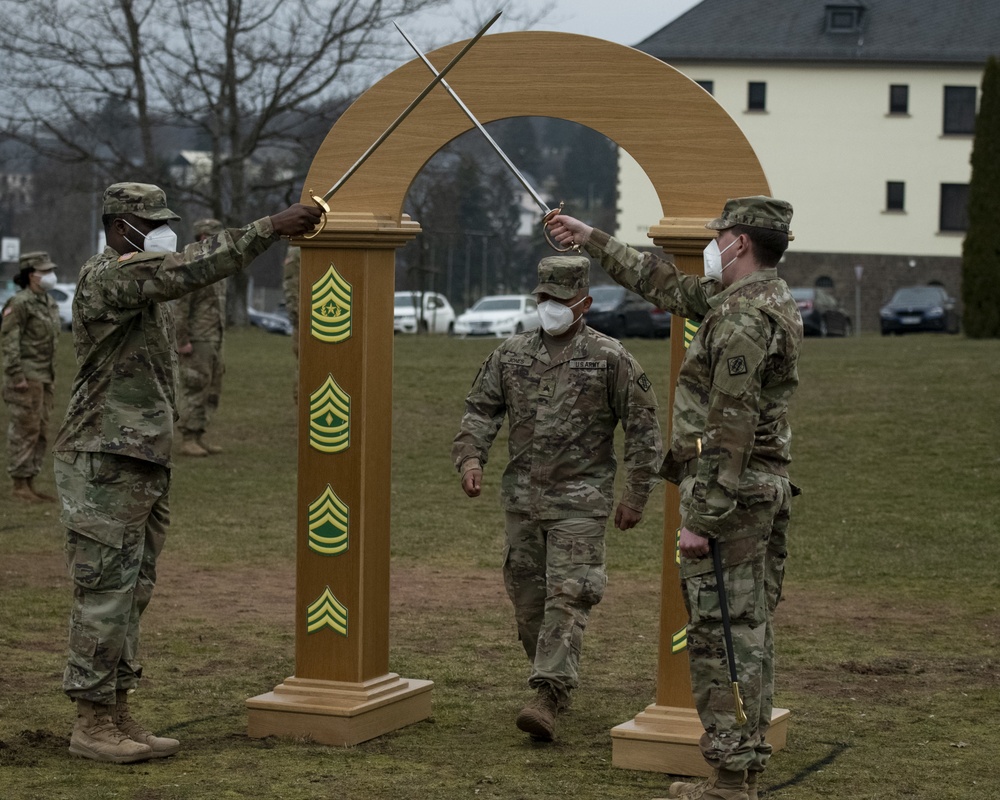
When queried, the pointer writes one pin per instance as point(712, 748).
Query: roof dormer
point(844, 17)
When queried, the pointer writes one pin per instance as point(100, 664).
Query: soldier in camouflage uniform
point(729, 452)
point(112, 455)
point(563, 389)
point(290, 284)
point(28, 335)
point(200, 322)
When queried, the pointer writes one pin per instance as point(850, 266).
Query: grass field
point(887, 638)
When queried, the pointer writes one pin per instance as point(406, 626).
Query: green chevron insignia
point(677, 548)
point(328, 524)
point(690, 329)
point(679, 641)
point(326, 612)
point(330, 318)
point(330, 418)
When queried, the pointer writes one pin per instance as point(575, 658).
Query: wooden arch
point(694, 155)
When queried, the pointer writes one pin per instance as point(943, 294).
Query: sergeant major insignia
point(737, 365)
point(644, 382)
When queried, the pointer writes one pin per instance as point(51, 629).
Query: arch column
point(665, 736)
point(342, 692)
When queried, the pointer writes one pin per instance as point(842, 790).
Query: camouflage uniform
point(113, 451)
point(729, 452)
point(28, 335)
point(558, 486)
point(290, 284)
point(200, 320)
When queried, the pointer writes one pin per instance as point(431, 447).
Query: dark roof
point(889, 31)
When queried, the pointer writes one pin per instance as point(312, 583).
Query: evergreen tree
point(981, 249)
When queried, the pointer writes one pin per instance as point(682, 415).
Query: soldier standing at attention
point(112, 455)
point(200, 321)
point(290, 284)
point(729, 453)
point(563, 389)
point(28, 334)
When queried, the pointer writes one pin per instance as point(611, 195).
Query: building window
point(895, 196)
point(959, 109)
point(844, 18)
point(899, 99)
point(756, 96)
point(954, 207)
point(708, 86)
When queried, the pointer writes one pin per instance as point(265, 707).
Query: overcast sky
point(622, 21)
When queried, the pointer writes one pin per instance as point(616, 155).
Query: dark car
point(271, 322)
point(618, 312)
point(919, 308)
point(821, 314)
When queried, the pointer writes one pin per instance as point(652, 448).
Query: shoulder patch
point(125, 257)
point(737, 365)
point(644, 382)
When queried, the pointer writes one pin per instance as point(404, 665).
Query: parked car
point(435, 316)
point(63, 294)
point(619, 312)
point(821, 314)
point(919, 308)
point(277, 322)
point(499, 315)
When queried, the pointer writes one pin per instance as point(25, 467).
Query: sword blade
point(472, 117)
point(438, 78)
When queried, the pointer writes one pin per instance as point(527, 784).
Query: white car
point(437, 315)
point(63, 294)
point(499, 315)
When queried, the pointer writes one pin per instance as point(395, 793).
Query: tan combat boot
point(211, 449)
point(724, 784)
point(538, 718)
point(190, 447)
point(22, 491)
point(96, 736)
point(43, 496)
point(160, 745)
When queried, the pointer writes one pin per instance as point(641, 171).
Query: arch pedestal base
point(338, 713)
point(665, 739)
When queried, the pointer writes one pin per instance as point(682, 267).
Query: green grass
point(887, 638)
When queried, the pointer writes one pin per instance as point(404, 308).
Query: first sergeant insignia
point(644, 382)
point(737, 365)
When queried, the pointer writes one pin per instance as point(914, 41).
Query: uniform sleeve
point(10, 341)
point(485, 408)
point(657, 280)
point(290, 283)
point(738, 345)
point(138, 279)
point(182, 308)
point(635, 405)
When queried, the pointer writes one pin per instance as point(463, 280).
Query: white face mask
point(159, 240)
point(555, 317)
point(713, 259)
point(48, 280)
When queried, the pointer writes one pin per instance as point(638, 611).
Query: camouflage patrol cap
point(756, 212)
point(563, 276)
point(207, 226)
point(38, 261)
point(142, 199)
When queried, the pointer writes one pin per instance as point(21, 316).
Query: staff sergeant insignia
point(737, 365)
point(644, 382)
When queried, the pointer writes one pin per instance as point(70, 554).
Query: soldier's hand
point(296, 219)
point(692, 545)
point(185, 349)
point(20, 386)
point(472, 482)
point(568, 230)
point(626, 518)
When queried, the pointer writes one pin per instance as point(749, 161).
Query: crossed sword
point(547, 212)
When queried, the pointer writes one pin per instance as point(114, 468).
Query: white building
point(862, 114)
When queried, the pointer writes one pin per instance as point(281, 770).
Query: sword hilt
point(545, 230)
point(741, 715)
point(325, 208)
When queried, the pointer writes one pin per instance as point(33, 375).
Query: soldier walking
point(564, 390)
point(28, 335)
point(200, 322)
point(112, 455)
